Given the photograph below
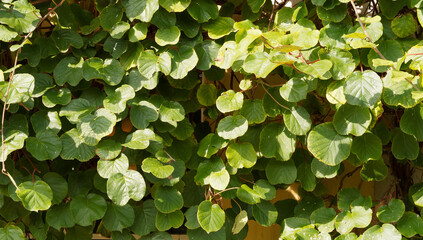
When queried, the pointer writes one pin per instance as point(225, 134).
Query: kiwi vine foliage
point(116, 120)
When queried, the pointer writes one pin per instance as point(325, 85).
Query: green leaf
point(118, 30)
point(240, 221)
point(274, 104)
point(278, 172)
point(207, 94)
point(294, 90)
point(391, 50)
point(387, 231)
point(219, 27)
point(60, 216)
point(74, 148)
point(350, 119)
point(183, 130)
point(336, 14)
point(124, 186)
point(331, 35)
point(165, 221)
point(241, 155)
point(144, 215)
point(319, 69)
point(20, 89)
point(35, 196)
point(412, 122)
point(404, 146)
point(175, 5)
point(22, 17)
point(375, 170)
point(210, 145)
point(148, 63)
point(265, 213)
point(183, 61)
point(391, 212)
point(43, 82)
point(6, 34)
point(298, 120)
point(140, 139)
point(398, 89)
point(108, 70)
point(138, 32)
point(293, 225)
point(347, 196)
point(108, 168)
point(416, 194)
point(276, 141)
point(155, 167)
point(229, 101)
point(110, 15)
point(168, 199)
point(253, 111)
point(116, 101)
point(108, 149)
point(87, 209)
point(46, 145)
point(410, 224)
point(58, 185)
point(191, 216)
point(167, 36)
point(321, 170)
point(359, 217)
point(367, 147)
point(142, 10)
point(11, 232)
point(213, 172)
point(324, 218)
point(363, 88)
point(65, 38)
point(68, 70)
point(260, 64)
point(116, 47)
point(142, 114)
point(171, 112)
point(118, 217)
point(404, 25)
point(327, 145)
point(53, 97)
point(255, 5)
point(203, 10)
point(92, 128)
point(232, 127)
point(15, 133)
point(343, 63)
point(335, 93)
point(265, 189)
point(76, 109)
point(210, 216)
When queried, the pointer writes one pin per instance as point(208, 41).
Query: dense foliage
point(141, 116)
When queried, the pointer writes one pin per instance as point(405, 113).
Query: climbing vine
point(151, 117)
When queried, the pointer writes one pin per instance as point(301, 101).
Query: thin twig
point(364, 30)
point(271, 15)
point(273, 97)
point(228, 189)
